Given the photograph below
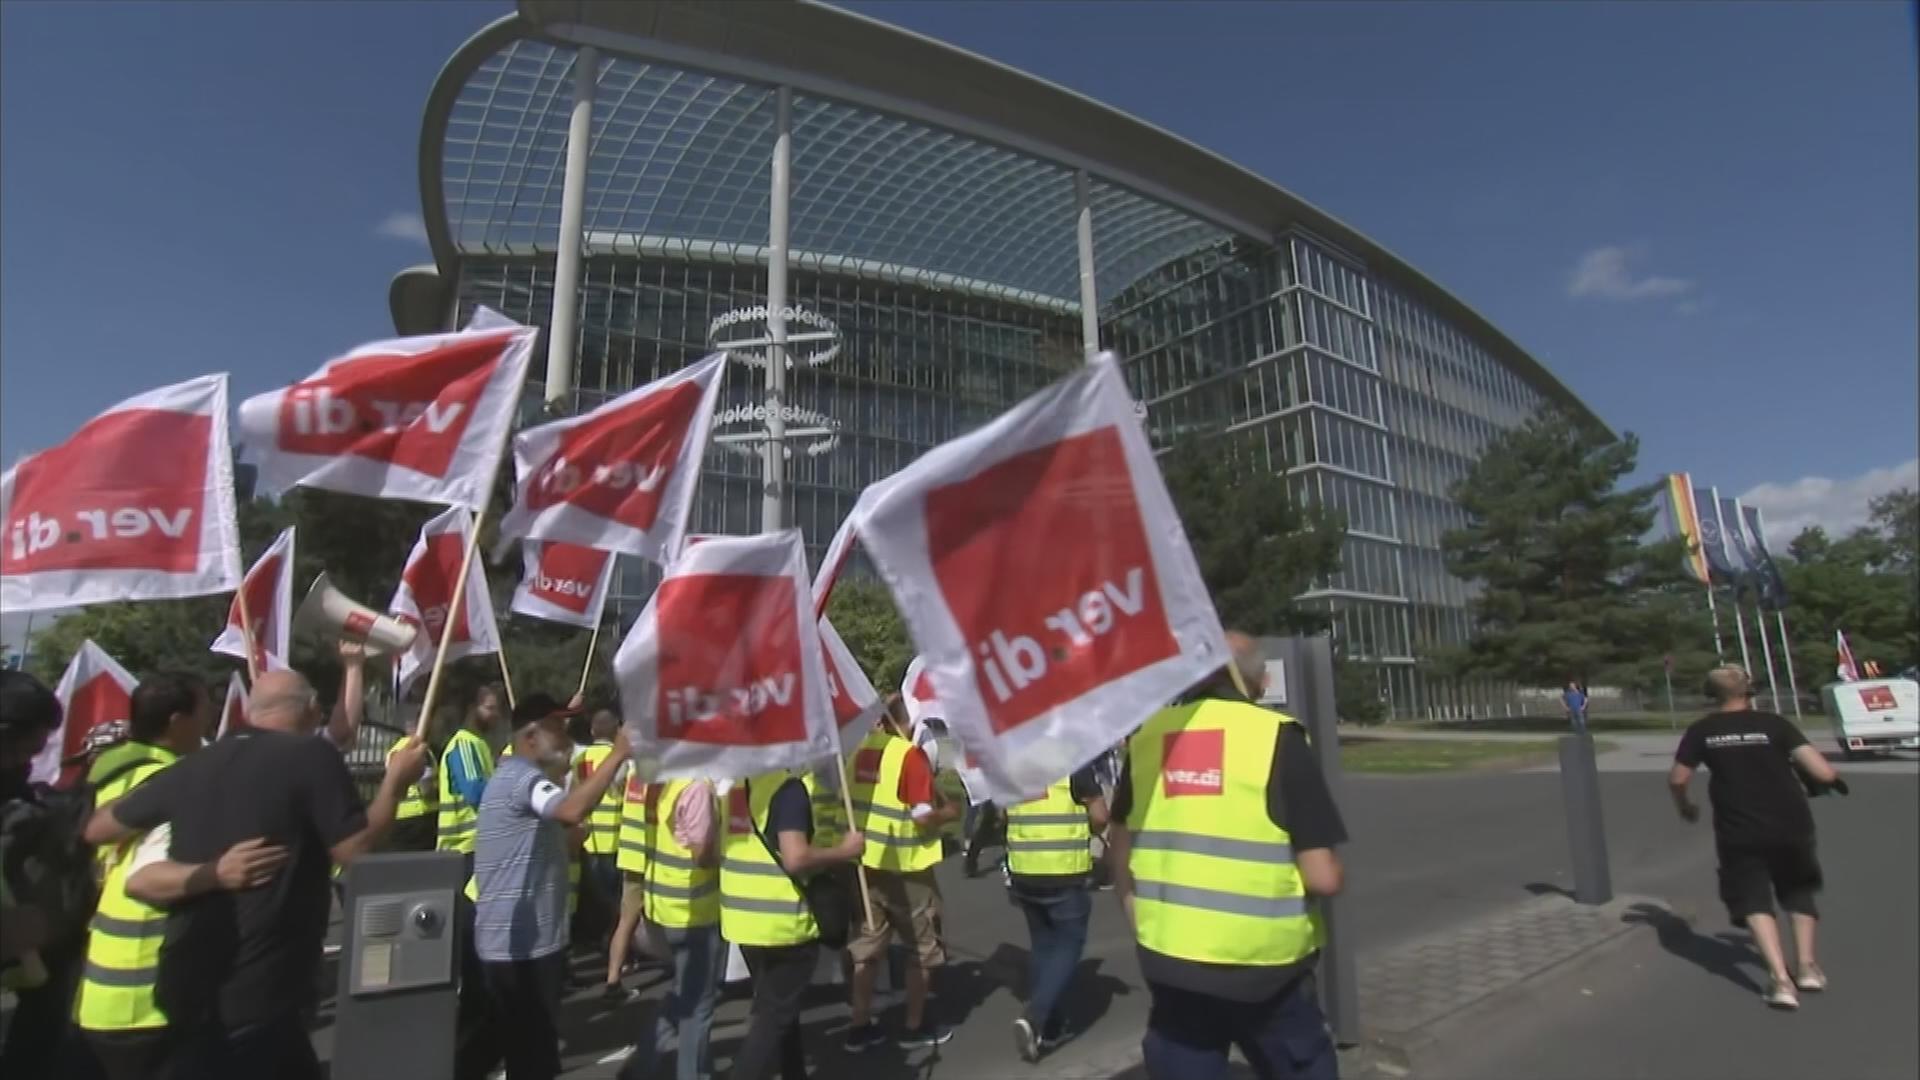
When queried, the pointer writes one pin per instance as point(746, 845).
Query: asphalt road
point(1683, 1001)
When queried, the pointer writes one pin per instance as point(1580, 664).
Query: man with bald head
point(1222, 832)
point(239, 967)
point(1762, 825)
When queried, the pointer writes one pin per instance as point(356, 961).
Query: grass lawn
point(1365, 755)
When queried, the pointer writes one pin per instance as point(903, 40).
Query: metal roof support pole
point(561, 324)
point(1089, 293)
point(772, 511)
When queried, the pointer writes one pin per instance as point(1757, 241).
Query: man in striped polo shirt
point(520, 874)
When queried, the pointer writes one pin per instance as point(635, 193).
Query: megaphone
point(327, 612)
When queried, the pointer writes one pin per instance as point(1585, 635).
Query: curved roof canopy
point(912, 160)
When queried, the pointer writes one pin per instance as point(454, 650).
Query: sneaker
point(1780, 995)
point(864, 1038)
point(1053, 1041)
point(1811, 979)
point(1025, 1042)
point(613, 991)
point(927, 1034)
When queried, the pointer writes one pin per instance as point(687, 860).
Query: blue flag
point(1713, 537)
point(1773, 587)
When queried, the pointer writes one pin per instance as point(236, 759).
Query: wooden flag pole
point(506, 677)
point(246, 633)
point(846, 800)
point(446, 629)
point(586, 666)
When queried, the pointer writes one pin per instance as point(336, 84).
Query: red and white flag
point(564, 583)
point(426, 593)
point(233, 714)
point(94, 692)
point(621, 477)
point(1844, 665)
point(137, 505)
point(269, 590)
point(1041, 568)
point(422, 418)
point(923, 705)
point(723, 675)
point(856, 705)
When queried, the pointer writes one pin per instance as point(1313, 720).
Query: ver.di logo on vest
point(1193, 763)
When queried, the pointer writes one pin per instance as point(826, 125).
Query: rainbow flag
point(1683, 520)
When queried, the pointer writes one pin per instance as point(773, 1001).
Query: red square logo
point(1193, 763)
point(1877, 698)
point(568, 576)
point(1043, 560)
point(410, 410)
point(730, 660)
point(866, 766)
point(617, 465)
point(739, 813)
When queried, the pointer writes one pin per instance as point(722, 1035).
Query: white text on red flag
point(422, 418)
point(723, 675)
point(425, 596)
point(564, 583)
point(621, 477)
point(136, 505)
point(1043, 572)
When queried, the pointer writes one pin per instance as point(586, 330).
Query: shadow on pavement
point(1725, 955)
point(1543, 888)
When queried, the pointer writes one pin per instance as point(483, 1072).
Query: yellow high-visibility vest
point(1049, 835)
point(124, 938)
point(829, 813)
point(894, 842)
point(458, 821)
point(633, 850)
point(758, 902)
point(422, 798)
point(680, 893)
point(1214, 877)
point(603, 823)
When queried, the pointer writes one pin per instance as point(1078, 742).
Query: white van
point(1874, 714)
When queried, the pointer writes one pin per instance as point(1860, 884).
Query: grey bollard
point(1586, 828)
point(399, 967)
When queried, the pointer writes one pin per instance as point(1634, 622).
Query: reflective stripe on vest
point(1214, 877)
point(458, 821)
point(631, 851)
point(422, 798)
point(1049, 835)
point(603, 824)
point(758, 902)
point(894, 842)
point(680, 893)
point(125, 935)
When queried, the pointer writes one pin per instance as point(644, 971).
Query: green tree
point(1864, 584)
point(862, 612)
point(1257, 547)
point(1565, 588)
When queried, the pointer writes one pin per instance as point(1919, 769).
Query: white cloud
point(1838, 506)
point(402, 225)
point(1604, 273)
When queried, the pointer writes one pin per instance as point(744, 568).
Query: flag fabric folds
point(426, 592)
point(1844, 666)
point(136, 505)
point(95, 692)
point(621, 477)
point(564, 583)
point(233, 713)
point(723, 675)
point(856, 705)
point(269, 589)
point(1682, 520)
point(1773, 585)
point(1042, 570)
point(1713, 537)
point(423, 418)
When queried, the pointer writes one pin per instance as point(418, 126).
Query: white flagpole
point(1786, 654)
point(1766, 650)
point(1719, 650)
point(1740, 627)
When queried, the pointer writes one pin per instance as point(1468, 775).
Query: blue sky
point(1700, 216)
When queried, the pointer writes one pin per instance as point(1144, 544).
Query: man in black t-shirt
point(238, 967)
point(1762, 825)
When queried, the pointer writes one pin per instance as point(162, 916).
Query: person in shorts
point(1762, 826)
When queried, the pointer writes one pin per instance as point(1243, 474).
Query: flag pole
point(1786, 654)
point(586, 666)
point(446, 628)
point(246, 633)
point(1766, 650)
point(506, 677)
point(1713, 612)
point(846, 801)
point(1740, 627)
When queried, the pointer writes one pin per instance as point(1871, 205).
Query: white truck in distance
point(1874, 714)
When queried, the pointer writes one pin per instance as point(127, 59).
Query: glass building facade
point(948, 265)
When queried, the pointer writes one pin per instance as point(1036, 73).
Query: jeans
point(699, 961)
point(1057, 923)
point(143, 1054)
point(780, 979)
point(525, 995)
point(279, 1048)
point(1283, 1038)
